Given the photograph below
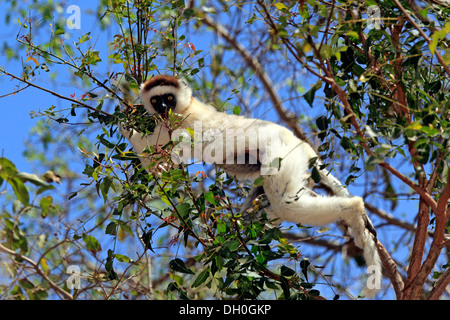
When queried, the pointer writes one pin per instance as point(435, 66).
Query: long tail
point(364, 234)
point(374, 266)
point(323, 210)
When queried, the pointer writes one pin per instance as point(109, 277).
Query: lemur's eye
point(170, 98)
point(153, 101)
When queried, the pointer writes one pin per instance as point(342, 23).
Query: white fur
point(288, 191)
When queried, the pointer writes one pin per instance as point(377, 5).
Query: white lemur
point(287, 189)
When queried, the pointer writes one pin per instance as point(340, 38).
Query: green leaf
point(322, 123)
point(20, 190)
point(122, 258)
point(258, 181)
point(287, 272)
point(433, 87)
point(347, 144)
point(105, 185)
point(45, 205)
point(209, 196)
point(125, 227)
point(175, 175)
point(173, 286)
point(233, 244)
point(271, 234)
point(309, 96)
point(91, 242)
point(59, 30)
point(84, 38)
point(353, 34)
point(315, 175)
point(285, 287)
point(221, 227)
point(183, 209)
point(73, 195)
point(34, 179)
point(16, 235)
point(109, 266)
point(439, 35)
point(94, 57)
point(105, 142)
point(252, 19)
point(304, 264)
point(280, 6)
point(371, 162)
point(147, 239)
point(178, 265)
point(8, 172)
point(217, 264)
point(111, 228)
point(202, 277)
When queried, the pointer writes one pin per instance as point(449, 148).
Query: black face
point(163, 103)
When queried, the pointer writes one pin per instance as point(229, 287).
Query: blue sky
point(16, 120)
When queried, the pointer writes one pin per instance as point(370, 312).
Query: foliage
point(175, 232)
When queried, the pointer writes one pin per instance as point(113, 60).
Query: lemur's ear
point(141, 86)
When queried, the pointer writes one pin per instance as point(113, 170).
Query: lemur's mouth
point(164, 103)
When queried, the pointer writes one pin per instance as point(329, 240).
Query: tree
point(364, 82)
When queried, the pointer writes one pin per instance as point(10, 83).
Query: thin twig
point(38, 270)
point(54, 93)
point(415, 25)
point(14, 92)
point(254, 64)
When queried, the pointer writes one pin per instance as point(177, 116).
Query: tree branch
point(420, 191)
point(441, 214)
point(254, 64)
point(391, 268)
point(440, 286)
point(391, 220)
point(38, 270)
point(415, 25)
point(53, 93)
